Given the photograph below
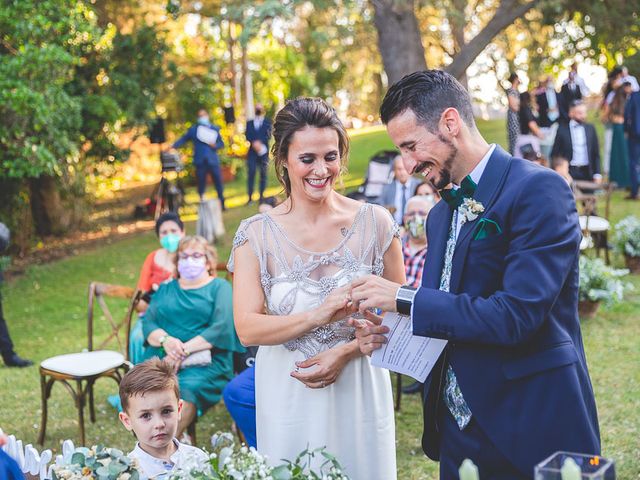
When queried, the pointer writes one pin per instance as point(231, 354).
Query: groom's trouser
point(456, 445)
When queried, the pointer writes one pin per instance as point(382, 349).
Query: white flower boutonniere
point(470, 210)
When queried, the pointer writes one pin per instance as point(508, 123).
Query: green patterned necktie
point(452, 394)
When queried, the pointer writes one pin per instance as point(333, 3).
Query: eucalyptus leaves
point(601, 283)
point(97, 463)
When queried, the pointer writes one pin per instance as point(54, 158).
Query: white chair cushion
point(84, 364)
point(596, 224)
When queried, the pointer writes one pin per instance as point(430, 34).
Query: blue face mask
point(203, 120)
point(170, 242)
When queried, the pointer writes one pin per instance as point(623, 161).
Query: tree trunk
point(508, 11)
point(457, 19)
point(399, 39)
point(248, 84)
point(47, 209)
point(235, 79)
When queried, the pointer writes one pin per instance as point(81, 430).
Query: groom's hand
point(372, 291)
point(370, 333)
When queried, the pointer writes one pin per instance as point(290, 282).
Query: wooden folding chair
point(594, 227)
point(84, 368)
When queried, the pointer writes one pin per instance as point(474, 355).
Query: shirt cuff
point(412, 304)
point(597, 176)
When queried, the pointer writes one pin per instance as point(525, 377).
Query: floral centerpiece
point(627, 241)
point(599, 283)
point(98, 463)
point(227, 462)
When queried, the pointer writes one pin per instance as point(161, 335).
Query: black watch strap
point(404, 299)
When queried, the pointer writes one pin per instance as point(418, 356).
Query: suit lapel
point(486, 193)
point(437, 234)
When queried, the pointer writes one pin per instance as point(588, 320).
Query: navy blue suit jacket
point(263, 134)
point(203, 153)
point(511, 317)
point(632, 116)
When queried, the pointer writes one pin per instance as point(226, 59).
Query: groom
point(500, 283)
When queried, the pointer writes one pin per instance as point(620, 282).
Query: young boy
point(151, 406)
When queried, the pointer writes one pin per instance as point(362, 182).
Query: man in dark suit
point(9, 356)
point(548, 104)
point(632, 129)
point(500, 285)
point(577, 141)
point(205, 153)
point(395, 195)
point(569, 93)
point(258, 133)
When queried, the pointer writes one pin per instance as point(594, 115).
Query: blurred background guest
point(608, 91)
point(548, 103)
point(513, 106)
point(530, 133)
point(577, 141)
point(426, 189)
point(618, 154)
point(9, 356)
point(258, 133)
point(569, 93)
point(206, 140)
point(394, 196)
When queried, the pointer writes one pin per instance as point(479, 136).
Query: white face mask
point(203, 120)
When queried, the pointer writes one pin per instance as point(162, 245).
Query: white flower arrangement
point(601, 283)
point(98, 463)
point(627, 236)
point(469, 210)
point(227, 462)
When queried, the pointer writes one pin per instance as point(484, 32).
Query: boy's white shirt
point(152, 468)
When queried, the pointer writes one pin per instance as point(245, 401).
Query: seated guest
point(530, 133)
point(240, 399)
point(535, 157)
point(394, 196)
point(414, 250)
point(151, 403)
point(577, 141)
point(158, 267)
point(189, 323)
point(426, 189)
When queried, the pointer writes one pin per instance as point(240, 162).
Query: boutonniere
point(470, 210)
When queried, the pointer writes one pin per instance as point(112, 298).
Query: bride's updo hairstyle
point(297, 114)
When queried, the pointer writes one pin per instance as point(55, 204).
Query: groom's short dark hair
point(427, 93)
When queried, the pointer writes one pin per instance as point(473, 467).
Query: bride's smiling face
point(313, 162)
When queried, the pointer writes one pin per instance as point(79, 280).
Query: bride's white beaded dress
point(353, 418)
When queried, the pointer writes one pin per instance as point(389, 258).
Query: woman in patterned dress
point(513, 100)
point(291, 269)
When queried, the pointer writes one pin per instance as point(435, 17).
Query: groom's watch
point(404, 299)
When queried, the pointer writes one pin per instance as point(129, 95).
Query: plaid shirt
point(413, 264)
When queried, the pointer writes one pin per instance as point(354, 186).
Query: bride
point(292, 267)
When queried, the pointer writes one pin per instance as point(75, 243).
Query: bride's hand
point(328, 365)
point(336, 306)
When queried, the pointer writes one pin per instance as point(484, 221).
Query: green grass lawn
point(46, 311)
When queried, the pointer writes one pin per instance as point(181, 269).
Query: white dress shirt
point(580, 156)
point(153, 468)
point(257, 122)
point(475, 175)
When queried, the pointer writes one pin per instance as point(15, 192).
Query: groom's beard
point(444, 177)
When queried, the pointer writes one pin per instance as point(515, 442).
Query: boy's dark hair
point(152, 375)
point(427, 94)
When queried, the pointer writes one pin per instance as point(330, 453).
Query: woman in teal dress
point(189, 323)
point(619, 159)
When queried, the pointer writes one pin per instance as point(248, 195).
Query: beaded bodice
point(296, 280)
